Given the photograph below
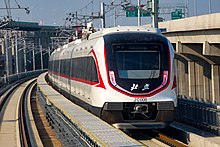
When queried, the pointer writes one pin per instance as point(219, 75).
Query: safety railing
point(202, 115)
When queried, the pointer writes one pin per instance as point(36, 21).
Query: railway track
point(155, 138)
point(25, 136)
point(167, 139)
point(20, 109)
point(17, 123)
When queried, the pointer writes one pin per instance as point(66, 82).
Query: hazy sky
point(53, 12)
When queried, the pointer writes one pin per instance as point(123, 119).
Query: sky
point(54, 12)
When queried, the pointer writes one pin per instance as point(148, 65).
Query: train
point(125, 75)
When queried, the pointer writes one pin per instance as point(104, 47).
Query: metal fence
point(4, 81)
point(205, 116)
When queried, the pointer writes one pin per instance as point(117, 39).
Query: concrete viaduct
point(196, 41)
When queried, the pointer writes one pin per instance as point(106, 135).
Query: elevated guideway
point(90, 127)
point(197, 44)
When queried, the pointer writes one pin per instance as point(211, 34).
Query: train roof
point(124, 29)
point(109, 31)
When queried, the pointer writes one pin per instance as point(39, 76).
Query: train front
point(141, 76)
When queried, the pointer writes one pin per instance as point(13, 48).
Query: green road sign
point(177, 14)
point(132, 11)
point(160, 19)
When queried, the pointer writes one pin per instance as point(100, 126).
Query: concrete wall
point(203, 22)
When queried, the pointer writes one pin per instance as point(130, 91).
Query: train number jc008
point(140, 100)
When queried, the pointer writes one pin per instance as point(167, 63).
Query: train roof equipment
point(91, 33)
point(123, 29)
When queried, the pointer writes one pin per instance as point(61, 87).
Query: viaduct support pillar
point(192, 82)
point(215, 70)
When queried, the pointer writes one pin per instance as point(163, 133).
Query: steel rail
point(8, 92)
point(154, 138)
point(25, 137)
point(6, 101)
point(168, 140)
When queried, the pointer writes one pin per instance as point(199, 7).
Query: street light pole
point(49, 51)
point(16, 52)
point(195, 7)
point(155, 4)
point(25, 57)
point(6, 54)
point(41, 57)
point(115, 17)
point(103, 14)
point(33, 54)
point(139, 13)
point(41, 54)
point(187, 8)
point(210, 7)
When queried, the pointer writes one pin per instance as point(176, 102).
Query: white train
point(124, 75)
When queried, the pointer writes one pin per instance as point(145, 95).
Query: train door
point(72, 74)
point(81, 80)
point(68, 75)
point(59, 73)
point(55, 70)
point(65, 76)
point(90, 66)
point(83, 85)
point(56, 64)
point(62, 70)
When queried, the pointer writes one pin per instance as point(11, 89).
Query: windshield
point(138, 61)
